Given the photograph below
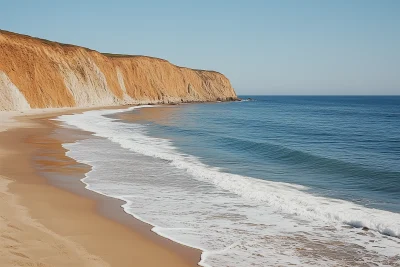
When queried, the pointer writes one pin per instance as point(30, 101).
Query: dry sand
point(43, 224)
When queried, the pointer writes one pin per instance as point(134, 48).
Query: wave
point(353, 174)
point(291, 199)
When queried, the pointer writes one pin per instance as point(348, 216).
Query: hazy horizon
point(263, 47)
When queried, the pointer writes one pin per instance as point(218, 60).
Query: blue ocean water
point(274, 181)
point(344, 147)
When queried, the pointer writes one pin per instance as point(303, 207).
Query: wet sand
point(48, 218)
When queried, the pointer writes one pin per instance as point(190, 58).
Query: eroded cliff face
point(37, 73)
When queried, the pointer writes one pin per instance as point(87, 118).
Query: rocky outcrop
point(36, 73)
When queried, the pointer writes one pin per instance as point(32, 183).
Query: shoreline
point(41, 187)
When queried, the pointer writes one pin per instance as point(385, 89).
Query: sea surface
point(272, 181)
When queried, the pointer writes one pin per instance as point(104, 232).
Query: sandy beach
point(49, 219)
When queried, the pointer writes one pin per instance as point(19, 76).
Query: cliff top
point(71, 46)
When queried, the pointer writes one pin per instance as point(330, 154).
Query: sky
point(264, 47)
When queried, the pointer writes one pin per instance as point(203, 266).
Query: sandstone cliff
point(36, 73)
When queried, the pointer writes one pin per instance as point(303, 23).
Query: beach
point(171, 185)
point(48, 218)
point(249, 187)
point(212, 134)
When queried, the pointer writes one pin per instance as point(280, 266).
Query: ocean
point(270, 181)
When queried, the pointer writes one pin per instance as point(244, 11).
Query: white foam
point(270, 220)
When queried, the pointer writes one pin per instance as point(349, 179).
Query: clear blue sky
point(264, 47)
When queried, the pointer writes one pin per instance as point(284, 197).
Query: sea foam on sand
point(235, 220)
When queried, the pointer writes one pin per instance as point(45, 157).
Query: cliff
point(37, 73)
